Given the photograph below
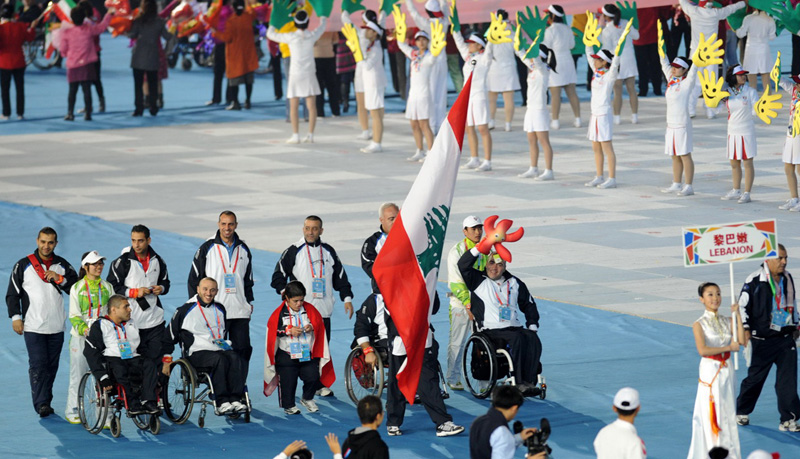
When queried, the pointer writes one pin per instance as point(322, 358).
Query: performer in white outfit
point(477, 55)
point(605, 67)
point(714, 419)
point(358, 81)
point(741, 133)
point(420, 101)
point(759, 28)
point(559, 38)
point(681, 77)
point(791, 147)
point(438, 79)
point(537, 116)
point(503, 78)
point(373, 75)
point(628, 71)
point(302, 81)
point(704, 18)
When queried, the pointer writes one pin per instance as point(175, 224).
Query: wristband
point(166, 359)
point(368, 350)
point(60, 279)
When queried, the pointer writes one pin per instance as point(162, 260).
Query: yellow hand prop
point(351, 35)
point(400, 28)
point(516, 37)
point(709, 52)
point(438, 37)
point(796, 120)
point(766, 106)
point(592, 31)
point(712, 88)
point(621, 42)
point(498, 32)
point(775, 74)
point(661, 44)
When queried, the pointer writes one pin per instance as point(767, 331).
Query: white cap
point(739, 70)
point(433, 6)
point(627, 398)
point(475, 38)
point(422, 33)
point(371, 25)
point(471, 222)
point(680, 63)
point(605, 55)
point(303, 17)
point(607, 13)
point(92, 258)
point(556, 10)
point(761, 454)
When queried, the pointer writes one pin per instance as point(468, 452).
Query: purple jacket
point(78, 43)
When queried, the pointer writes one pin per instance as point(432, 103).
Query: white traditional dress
point(715, 392)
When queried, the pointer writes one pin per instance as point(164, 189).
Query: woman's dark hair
point(611, 8)
point(82, 271)
point(550, 57)
point(371, 16)
point(148, 10)
point(557, 18)
point(702, 288)
point(294, 289)
point(502, 14)
point(301, 16)
point(78, 15)
point(730, 77)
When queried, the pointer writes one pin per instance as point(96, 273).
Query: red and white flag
point(407, 266)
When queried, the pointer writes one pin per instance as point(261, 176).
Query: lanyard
point(99, 297)
point(321, 262)
point(299, 318)
point(508, 294)
point(116, 329)
point(219, 326)
point(229, 262)
point(777, 292)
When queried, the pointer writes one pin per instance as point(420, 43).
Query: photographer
point(489, 435)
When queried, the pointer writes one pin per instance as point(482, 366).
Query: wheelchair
point(360, 380)
point(487, 363)
point(184, 390)
point(95, 405)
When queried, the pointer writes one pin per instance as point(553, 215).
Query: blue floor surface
point(588, 355)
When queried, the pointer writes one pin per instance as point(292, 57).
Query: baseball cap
point(433, 6)
point(422, 34)
point(739, 70)
point(627, 398)
point(92, 258)
point(471, 222)
point(605, 55)
point(679, 63)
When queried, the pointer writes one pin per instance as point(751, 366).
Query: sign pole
point(734, 323)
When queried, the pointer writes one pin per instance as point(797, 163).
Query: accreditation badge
point(230, 283)
point(780, 319)
point(505, 313)
point(125, 350)
point(295, 352)
point(318, 288)
point(305, 352)
point(222, 344)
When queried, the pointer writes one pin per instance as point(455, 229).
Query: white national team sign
point(728, 243)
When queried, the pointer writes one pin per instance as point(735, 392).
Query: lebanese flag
point(63, 8)
point(407, 266)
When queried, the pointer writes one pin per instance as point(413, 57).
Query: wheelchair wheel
point(480, 366)
point(142, 421)
point(116, 427)
point(179, 397)
point(92, 404)
point(361, 380)
point(155, 424)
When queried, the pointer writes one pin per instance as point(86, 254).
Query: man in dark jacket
point(363, 442)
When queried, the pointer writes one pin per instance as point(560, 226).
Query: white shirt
point(420, 71)
point(759, 29)
point(504, 443)
point(603, 86)
point(610, 36)
point(371, 66)
point(475, 64)
point(560, 39)
point(741, 110)
point(538, 79)
point(679, 96)
point(619, 440)
point(706, 19)
point(301, 48)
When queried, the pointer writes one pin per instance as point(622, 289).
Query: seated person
point(199, 327)
point(370, 329)
point(497, 299)
point(296, 347)
point(112, 350)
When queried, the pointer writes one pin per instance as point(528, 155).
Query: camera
point(537, 442)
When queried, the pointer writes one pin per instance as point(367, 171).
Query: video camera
point(537, 442)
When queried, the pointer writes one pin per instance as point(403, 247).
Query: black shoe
point(136, 408)
point(137, 113)
point(151, 407)
point(154, 111)
point(45, 410)
point(234, 106)
point(247, 105)
point(87, 116)
point(102, 105)
point(69, 117)
point(642, 94)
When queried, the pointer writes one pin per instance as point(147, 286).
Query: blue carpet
point(588, 355)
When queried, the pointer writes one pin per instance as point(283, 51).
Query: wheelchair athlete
point(370, 329)
point(497, 299)
point(199, 327)
point(112, 352)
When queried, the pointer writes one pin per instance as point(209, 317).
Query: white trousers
point(77, 368)
point(459, 332)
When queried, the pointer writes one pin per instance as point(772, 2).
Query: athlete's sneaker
point(789, 426)
point(634, 118)
point(742, 419)
point(687, 190)
point(448, 428)
point(420, 154)
point(239, 407)
point(309, 405)
point(365, 135)
point(745, 198)
point(555, 125)
point(491, 124)
point(295, 138)
point(732, 195)
point(225, 408)
point(576, 123)
point(393, 431)
point(595, 181)
point(674, 188)
point(472, 163)
point(789, 204)
point(609, 183)
point(373, 147)
point(795, 208)
point(617, 120)
point(292, 410)
point(485, 166)
point(456, 386)
point(546, 175)
point(532, 172)
point(325, 392)
point(73, 418)
point(309, 138)
point(508, 127)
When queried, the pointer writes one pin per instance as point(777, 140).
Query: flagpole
point(734, 323)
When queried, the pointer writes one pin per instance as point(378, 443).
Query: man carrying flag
point(406, 271)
